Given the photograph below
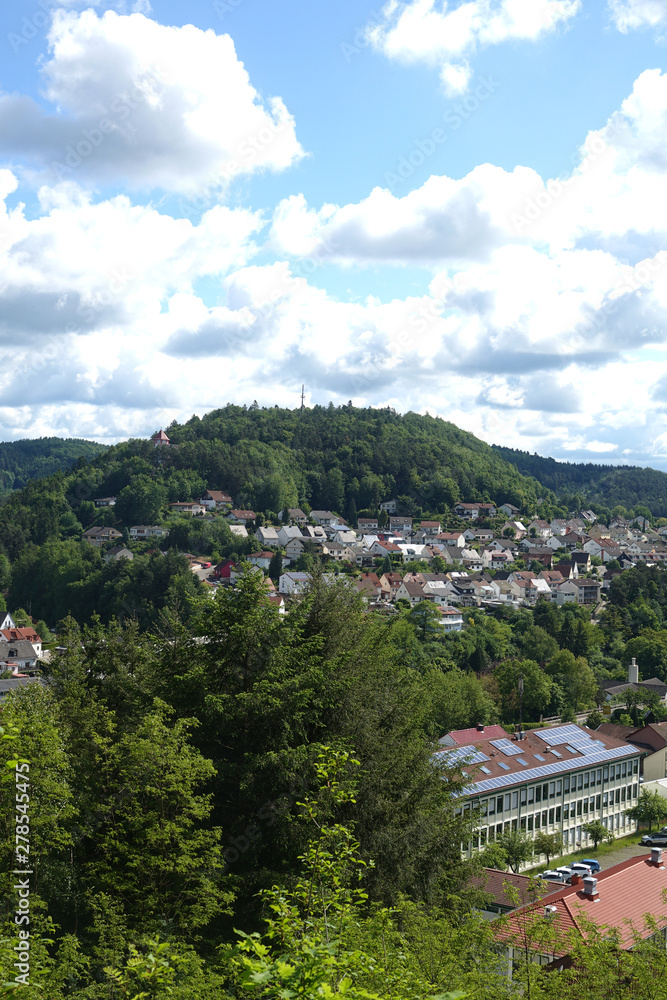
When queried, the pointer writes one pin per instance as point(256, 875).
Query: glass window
point(499, 803)
point(599, 775)
point(618, 795)
point(580, 780)
point(598, 801)
point(538, 793)
point(605, 799)
point(566, 812)
point(492, 807)
point(605, 773)
point(586, 780)
point(558, 814)
point(530, 822)
point(507, 801)
point(544, 817)
point(545, 792)
point(531, 795)
point(618, 770)
point(586, 806)
point(579, 808)
point(537, 821)
point(623, 794)
point(514, 825)
point(523, 796)
point(552, 789)
point(515, 799)
point(635, 766)
point(551, 817)
point(624, 769)
point(522, 823)
point(566, 783)
point(559, 787)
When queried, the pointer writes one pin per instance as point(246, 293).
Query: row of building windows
point(538, 821)
point(510, 800)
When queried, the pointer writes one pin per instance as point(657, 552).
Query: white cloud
point(155, 106)
point(444, 35)
point(629, 15)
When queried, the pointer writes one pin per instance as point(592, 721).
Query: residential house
point(589, 516)
point(317, 533)
point(118, 552)
point(139, 532)
point(543, 555)
point(452, 619)
point(267, 536)
point(390, 583)
point(539, 529)
point(24, 633)
point(467, 511)
point(471, 560)
point(245, 517)
point(567, 570)
point(369, 586)
point(261, 559)
point(105, 502)
point(464, 588)
point(295, 547)
point(554, 542)
point(187, 507)
point(9, 684)
point(324, 517)
point(226, 571)
point(400, 523)
point(100, 536)
point(559, 526)
point(390, 506)
point(430, 529)
point(293, 583)
point(494, 559)
point(412, 592)
point(509, 510)
point(238, 530)
point(17, 656)
point(366, 524)
point(381, 548)
point(487, 509)
point(294, 514)
point(413, 552)
point(338, 552)
point(517, 527)
point(654, 684)
point(160, 439)
point(216, 500)
point(453, 539)
point(582, 561)
point(287, 532)
point(598, 531)
point(553, 780)
point(480, 534)
point(578, 591)
point(524, 586)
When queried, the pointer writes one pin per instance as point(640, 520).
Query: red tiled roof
point(627, 894)
point(465, 736)
point(495, 882)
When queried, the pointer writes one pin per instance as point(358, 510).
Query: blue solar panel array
point(506, 747)
point(562, 734)
point(463, 755)
point(547, 770)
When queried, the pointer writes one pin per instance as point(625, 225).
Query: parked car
point(552, 876)
point(592, 864)
point(566, 872)
point(582, 868)
point(654, 839)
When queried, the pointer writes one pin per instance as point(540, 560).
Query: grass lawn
point(590, 852)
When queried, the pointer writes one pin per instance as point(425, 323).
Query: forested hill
point(334, 456)
point(21, 461)
point(582, 483)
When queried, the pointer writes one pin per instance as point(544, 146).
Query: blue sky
point(451, 207)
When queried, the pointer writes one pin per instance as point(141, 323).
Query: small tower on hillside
point(160, 439)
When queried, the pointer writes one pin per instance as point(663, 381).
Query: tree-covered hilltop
point(333, 456)
point(32, 458)
point(581, 484)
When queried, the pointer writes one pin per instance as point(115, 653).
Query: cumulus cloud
point(628, 15)
point(146, 104)
point(443, 35)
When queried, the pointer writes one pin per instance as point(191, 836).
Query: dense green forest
point(244, 804)
point(582, 484)
point(31, 458)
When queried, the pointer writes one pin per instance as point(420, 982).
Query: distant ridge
point(32, 458)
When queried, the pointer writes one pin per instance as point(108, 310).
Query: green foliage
point(598, 833)
point(650, 808)
point(548, 844)
point(518, 848)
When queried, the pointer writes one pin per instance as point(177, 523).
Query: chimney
point(656, 856)
point(575, 880)
point(480, 727)
point(633, 672)
point(550, 910)
point(590, 886)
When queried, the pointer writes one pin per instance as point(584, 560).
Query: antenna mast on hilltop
point(303, 396)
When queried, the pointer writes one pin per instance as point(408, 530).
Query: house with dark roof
point(99, 536)
point(652, 738)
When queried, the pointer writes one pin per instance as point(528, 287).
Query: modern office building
point(554, 780)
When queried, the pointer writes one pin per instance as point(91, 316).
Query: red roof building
point(629, 899)
point(160, 439)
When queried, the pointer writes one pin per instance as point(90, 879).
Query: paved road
point(623, 853)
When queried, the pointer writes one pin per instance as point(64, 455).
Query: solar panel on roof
point(561, 734)
point(506, 747)
point(505, 767)
point(485, 769)
point(555, 753)
point(539, 757)
point(463, 755)
point(522, 761)
point(571, 749)
point(551, 768)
